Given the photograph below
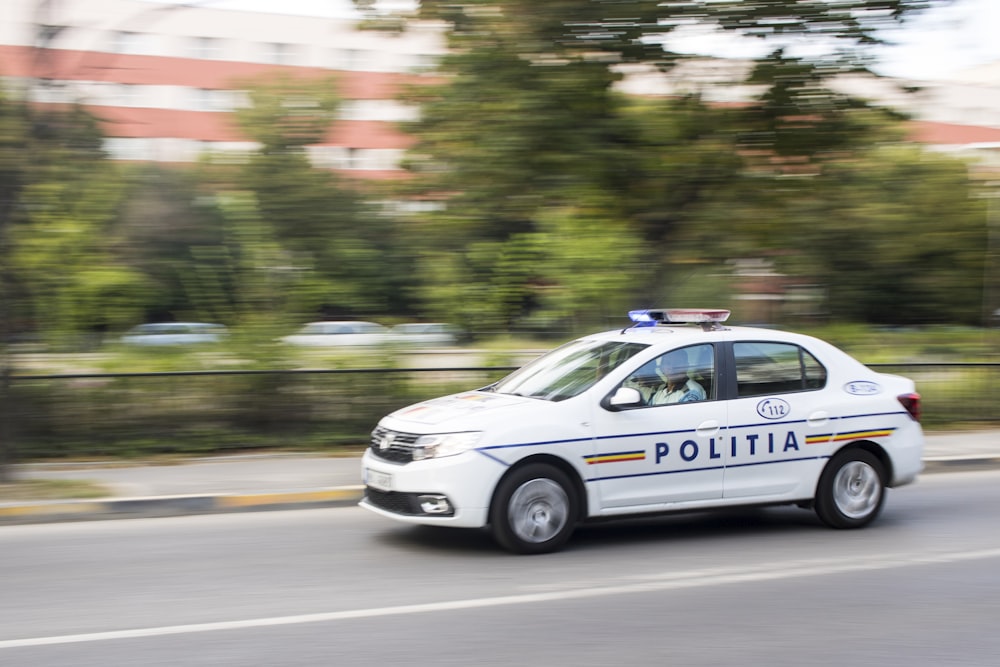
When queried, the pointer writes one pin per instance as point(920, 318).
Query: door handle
point(709, 428)
point(818, 418)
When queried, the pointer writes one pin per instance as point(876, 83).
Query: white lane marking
point(669, 581)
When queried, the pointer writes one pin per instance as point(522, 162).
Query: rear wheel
point(851, 489)
point(534, 510)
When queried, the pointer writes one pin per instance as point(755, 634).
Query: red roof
point(928, 132)
point(69, 65)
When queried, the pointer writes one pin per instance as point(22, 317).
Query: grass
point(941, 344)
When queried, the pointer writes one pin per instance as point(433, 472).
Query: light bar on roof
point(696, 315)
point(678, 316)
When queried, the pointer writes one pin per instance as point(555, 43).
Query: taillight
point(911, 402)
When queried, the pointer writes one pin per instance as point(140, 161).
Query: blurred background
point(190, 190)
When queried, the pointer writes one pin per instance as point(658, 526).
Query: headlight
point(436, 445)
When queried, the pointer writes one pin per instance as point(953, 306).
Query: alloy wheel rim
point(857, 490)
point(538, 510)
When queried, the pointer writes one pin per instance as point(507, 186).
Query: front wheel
point(851, 489)
point(534, 510)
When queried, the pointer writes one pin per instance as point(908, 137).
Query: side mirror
point(624, 397)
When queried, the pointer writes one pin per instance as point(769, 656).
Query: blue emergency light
point(652, 317)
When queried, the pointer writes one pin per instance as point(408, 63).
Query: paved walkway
point(287, 481)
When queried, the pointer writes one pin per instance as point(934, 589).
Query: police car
point(675, 412)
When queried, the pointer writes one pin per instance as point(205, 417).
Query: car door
point(777, 405)
point(648, 455)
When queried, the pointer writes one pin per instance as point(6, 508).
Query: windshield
point(568, 370)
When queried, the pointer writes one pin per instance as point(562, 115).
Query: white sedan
point(426, 334)
point(676, 412)
point(337, 333)
point(175, 333)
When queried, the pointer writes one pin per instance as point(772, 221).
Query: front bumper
point(451, 491)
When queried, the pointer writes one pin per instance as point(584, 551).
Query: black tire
point(851, 490)
point(534, 510)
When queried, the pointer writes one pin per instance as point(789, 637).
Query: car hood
point(458, 411)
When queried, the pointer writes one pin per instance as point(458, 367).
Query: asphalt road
point(343, 587)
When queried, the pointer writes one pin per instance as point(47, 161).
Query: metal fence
point(953, 393)
point(121, 414)
point(116, 414)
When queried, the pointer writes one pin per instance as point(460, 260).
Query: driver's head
point(673, 366)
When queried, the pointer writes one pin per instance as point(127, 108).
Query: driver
point(677, 385)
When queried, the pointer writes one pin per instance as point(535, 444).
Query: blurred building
point(958, 115)
point(164, 77)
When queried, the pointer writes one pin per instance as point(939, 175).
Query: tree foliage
point(61, 272)
point(641, 30)
point(286, 113)
point(514, 142)
point(57, 271)
point(527, 129)
point(560, 198)
point(900, 240)
point(169, 229)
point(339, 254)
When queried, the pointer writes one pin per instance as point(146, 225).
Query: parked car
point(174, 333)
point(334, 334)
point(426, 333)
point(675, 413)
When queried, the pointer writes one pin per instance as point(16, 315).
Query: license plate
point(378, 480)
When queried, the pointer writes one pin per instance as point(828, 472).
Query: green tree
point(58, 272)
point(170, 229)
point(526, 125)
point(65, 264)
point(636, 30)
point(513, 142)
point(14, 142)
point(62, 275)
point(892, 235)
point(900, 240)
point(338, 248)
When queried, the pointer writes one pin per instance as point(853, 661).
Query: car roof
point(422, 325)
point(341, 322)
point(687, 334)
point(177, 325)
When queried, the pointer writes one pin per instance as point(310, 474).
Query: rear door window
point(775, 368)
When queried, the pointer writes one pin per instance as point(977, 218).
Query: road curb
point(165, 506)
point(960, 463)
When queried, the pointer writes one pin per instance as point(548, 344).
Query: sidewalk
point(293, 481)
